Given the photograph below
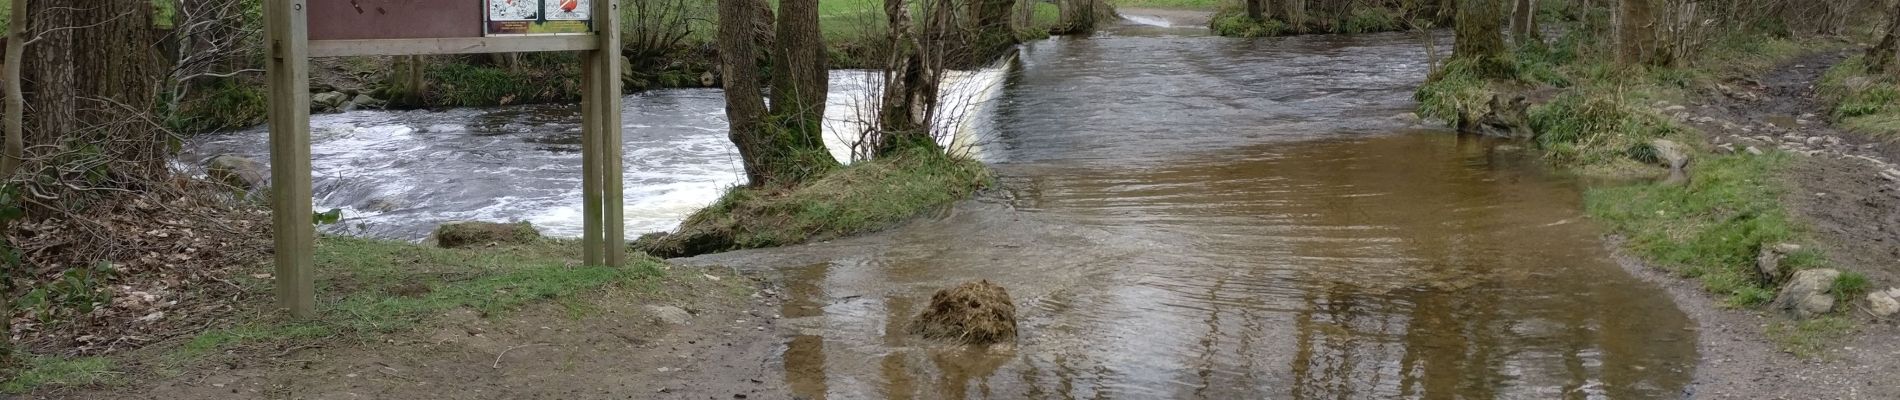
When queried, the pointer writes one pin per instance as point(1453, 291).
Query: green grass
point(1811, 338)
point(863, 197)
point(1712, 228)
point(373, 287)
point(1861, 102)
point(60, 371)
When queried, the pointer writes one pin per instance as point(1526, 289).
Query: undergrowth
point(1859, 101)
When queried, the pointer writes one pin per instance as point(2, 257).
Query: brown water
point(1192, 217)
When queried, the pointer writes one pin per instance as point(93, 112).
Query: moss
point(471, 234)
point(859, 198)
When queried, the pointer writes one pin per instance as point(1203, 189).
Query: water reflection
point(1402, 266)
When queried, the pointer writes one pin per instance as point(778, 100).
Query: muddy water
point(1191, 217)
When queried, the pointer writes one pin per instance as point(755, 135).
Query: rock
point(380, 205)
point(1768, 261)
point(367, 101)
point(1673, 156)
point(1702, 120)
point(670, 315)
point(1725, 149)
point(977, 312)
point(1753, 150)
point(1407, 118)
point(470, 234)
point(1882, 305)
point(236, 171)
point(1816, 140)
point(1672, 109)
point(327, 101)
point(1807, 293)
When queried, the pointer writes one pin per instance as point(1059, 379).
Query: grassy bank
point(1596, 119)
point(1861, 102)
point(368, 290)
point(1203, 5)
point(863, 197)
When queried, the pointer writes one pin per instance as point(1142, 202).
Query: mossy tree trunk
point(913, 75)
point(1636, 41)
point(782, 145)
point(1478, 30)
point(1880, 57)
point(799, 78)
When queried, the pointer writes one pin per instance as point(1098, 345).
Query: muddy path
point(1854, 212)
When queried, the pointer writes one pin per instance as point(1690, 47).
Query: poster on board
point(538, 17)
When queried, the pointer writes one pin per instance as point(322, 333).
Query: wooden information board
point(296, 30)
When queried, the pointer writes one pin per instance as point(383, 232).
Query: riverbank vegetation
point(1603, 99)
point(1258, 18)
point(374, 291)
point(109, 250)
point(859, 198)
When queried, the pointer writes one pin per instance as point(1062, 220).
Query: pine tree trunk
point(1880, 57)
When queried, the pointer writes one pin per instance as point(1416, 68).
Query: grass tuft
point(1813, 337)
point(60, 371)
point(1861, 102)
point(862, 197)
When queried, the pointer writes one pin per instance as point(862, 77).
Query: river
point(1182, 217)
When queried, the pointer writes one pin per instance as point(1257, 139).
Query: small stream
point(1185, 217)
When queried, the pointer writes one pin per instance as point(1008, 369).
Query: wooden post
point(288, 73)
point(607, 19)
point(592, 238)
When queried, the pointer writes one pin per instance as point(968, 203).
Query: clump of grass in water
point(859, 198)
point(1235, 23)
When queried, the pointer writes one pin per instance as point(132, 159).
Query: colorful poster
point(538, 17)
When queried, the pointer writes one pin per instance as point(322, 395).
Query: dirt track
point(1852, 211)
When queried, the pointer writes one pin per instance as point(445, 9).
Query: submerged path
point(1195, 217)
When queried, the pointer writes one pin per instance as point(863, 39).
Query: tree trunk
point(1524, 23)
point(739, 72)
point(1255, 11)
point(1636, 33)
point(49, 74)
point(15, 113)
point(799, 78)
point(1880, 57)
point(117, 71)
point(1295, 15)
point(1478, 34)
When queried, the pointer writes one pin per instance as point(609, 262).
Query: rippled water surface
point(1195, 217)
point(1183, 217)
